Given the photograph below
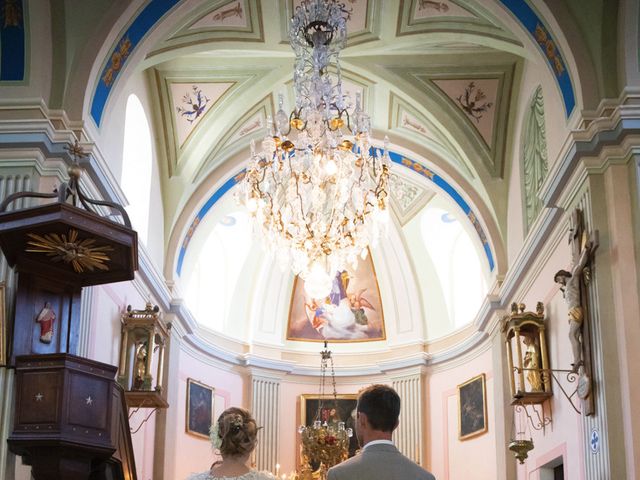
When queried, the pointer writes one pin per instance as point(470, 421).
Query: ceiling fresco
point(408, 196)
point(191, 102)
point(232, 14)
point(476, 98)
point(443, 8)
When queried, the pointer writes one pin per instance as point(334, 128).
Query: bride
point(234, 436)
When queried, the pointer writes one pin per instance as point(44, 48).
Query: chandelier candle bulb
point(330, 167)
point(316, 189)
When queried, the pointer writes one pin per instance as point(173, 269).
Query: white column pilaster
point(265, 406)
point(408, 437)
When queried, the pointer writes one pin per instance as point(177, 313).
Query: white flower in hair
point(214, 436)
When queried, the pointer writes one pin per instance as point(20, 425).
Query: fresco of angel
point(352, 311)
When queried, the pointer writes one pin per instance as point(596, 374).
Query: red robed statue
point(45, 318)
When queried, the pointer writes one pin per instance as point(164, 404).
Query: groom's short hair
point(381, 405)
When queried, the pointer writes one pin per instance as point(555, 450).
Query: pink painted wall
point(195, 454)
point(109, 302)
point(563, 436)
point(447, 457)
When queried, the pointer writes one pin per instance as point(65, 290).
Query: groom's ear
point(361, 419)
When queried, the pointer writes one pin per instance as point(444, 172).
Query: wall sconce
point(143, 339)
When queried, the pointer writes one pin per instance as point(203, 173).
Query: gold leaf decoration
point(81, 254)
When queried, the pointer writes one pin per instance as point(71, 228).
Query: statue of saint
point(46, 318)
point(141, 366)
point(532, 364)
point(570, 286)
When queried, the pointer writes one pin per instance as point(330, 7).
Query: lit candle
point(277, 469)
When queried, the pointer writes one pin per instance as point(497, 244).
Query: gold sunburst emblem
point(81, 254)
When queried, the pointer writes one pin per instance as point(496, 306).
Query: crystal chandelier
point(317, 189)
point(325, 443)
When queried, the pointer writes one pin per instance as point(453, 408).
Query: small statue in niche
point(532, 364)
point(141, 366)
point(582, 249)
point(46, 319)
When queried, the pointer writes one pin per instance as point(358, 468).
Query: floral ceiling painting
point(191, 102)
point(476, 98)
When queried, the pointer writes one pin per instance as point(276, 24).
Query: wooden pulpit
point(67, 423)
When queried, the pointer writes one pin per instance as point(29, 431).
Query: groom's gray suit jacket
point(379, 462)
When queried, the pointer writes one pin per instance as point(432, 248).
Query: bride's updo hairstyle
point(237, 432)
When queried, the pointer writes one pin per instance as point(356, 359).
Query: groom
point(376, 419)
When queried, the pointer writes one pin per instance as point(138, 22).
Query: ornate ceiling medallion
point(81, 254)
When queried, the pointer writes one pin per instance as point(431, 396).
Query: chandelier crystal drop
point(317, 189)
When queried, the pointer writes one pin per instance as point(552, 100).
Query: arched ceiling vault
point(419, 76)
point(441, 78)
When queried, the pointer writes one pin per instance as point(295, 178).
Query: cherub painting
point(352, 312)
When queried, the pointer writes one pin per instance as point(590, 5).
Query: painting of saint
point(472, 408)
point(199, 408)
point(352, 312)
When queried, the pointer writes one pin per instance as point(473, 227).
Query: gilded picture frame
point(3, 327)
point(472, 407)
point(199, 411)
point(345, 406)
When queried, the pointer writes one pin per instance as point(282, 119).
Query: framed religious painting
point(343, 409)
point(472, 408)
point(352, 312)
point(199, 408)
point(3, 327)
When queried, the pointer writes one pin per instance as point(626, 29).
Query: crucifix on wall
point(574, 285)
